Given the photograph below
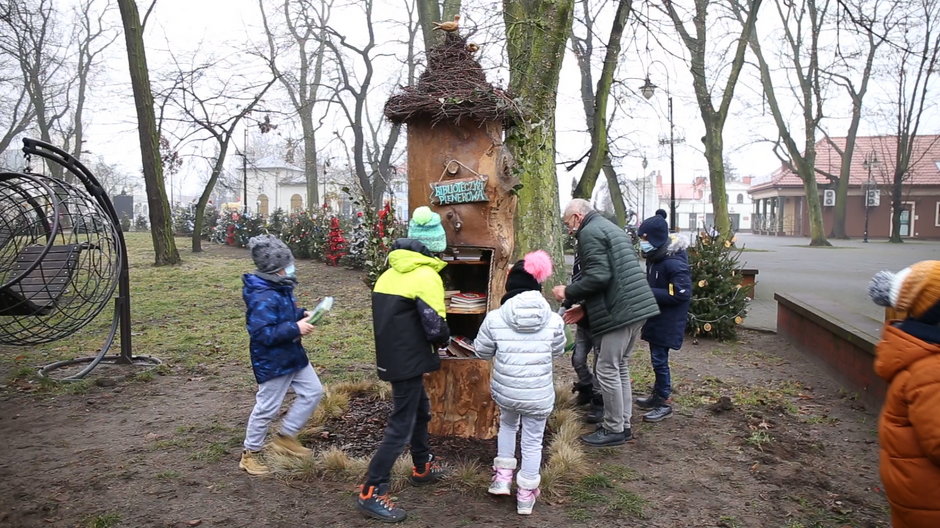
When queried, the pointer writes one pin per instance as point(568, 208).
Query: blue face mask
point(646, 247)
point(290, 271)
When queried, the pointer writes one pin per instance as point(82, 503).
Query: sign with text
point(464, 190)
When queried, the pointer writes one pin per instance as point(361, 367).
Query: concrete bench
point(841, 340)
point(749, 278)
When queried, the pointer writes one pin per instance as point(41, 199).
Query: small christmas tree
point(358, 244)
point(336, 243)
point(719, 300)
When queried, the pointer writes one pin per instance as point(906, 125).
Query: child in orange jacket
point(908, 358)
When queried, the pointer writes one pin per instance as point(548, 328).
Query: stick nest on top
point(452, 88)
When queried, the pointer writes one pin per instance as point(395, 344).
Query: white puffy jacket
point(522, 336)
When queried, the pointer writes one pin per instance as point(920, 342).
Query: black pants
point(408, 423)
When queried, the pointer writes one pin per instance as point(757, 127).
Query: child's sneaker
point(502, 476)
point(525, 500)
point(431, 472)
point(252, 464)
point(502, 482)
point(288, 445)
point(375, 502)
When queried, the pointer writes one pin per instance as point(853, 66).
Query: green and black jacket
point(408, 313)
point(612, 286)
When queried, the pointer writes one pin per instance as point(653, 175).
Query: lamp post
point(871, 160)
point(648, 89)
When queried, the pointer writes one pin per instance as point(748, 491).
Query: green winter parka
point(612, 287)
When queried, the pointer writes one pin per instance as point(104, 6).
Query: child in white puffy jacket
point(522, 337)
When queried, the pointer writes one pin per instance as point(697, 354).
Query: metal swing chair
point(62, 256)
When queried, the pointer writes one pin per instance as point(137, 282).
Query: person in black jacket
point(409, 322)
point(669, 276)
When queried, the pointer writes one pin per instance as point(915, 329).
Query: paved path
point(838, 274)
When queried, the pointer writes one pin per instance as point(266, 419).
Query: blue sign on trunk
point(459, 191)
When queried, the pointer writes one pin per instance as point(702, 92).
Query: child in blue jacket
point(275, 325)
point(669, 276)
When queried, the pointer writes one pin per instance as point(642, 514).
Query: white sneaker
point(525, 500)
point(502, 482)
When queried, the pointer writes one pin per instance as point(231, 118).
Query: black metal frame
point(122, 304)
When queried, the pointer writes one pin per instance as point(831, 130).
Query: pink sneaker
point(525, 500)
point(502, 482)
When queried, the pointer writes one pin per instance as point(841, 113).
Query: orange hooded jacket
point(909, 428)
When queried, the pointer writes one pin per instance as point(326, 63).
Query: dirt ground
point(785, 448)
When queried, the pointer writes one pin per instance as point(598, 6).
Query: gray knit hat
point(270, 254)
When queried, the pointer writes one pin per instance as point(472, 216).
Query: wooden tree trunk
point(161, 225)
point(461, 400)
point(536, 34)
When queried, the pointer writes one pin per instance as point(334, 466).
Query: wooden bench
point(37, 292)
point(749, 278)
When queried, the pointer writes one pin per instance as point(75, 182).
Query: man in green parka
point(613, 293)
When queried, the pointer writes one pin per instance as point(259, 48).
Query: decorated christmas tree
point(358, 243)
point(335, 243)
point(719, 300)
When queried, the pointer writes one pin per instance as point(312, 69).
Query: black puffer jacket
point(612, 286)
point(408, 313)
point(667, 270)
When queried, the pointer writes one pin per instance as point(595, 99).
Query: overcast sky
point(227, 26)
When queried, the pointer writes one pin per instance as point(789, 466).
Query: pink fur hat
point(528, 274)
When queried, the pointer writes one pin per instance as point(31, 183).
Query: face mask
point(646, 247)
point(290, 271)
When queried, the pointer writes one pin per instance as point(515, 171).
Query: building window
point(740, 198)
point(296, 203)
point(263, 204)
point(936, 216)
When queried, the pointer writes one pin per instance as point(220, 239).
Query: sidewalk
point(839, 273)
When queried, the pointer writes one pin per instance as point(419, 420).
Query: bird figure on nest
point(472, 48)
point(448, 26)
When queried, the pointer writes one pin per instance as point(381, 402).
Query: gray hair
point(578, 206)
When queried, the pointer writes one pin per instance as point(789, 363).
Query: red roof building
point(780, 205)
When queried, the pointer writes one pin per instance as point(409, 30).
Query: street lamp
point(648, 89)
point(871, 160)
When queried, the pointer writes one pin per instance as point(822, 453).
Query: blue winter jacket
point(271, 318)
point(669, 276)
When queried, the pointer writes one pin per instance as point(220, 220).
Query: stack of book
point(467, 302)
point(460, 347)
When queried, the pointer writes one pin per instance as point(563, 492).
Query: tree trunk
point(429, 12)
point(161, 228)
point(536, 34)
point(599, 146)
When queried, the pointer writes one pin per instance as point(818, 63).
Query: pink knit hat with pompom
point(528, 274)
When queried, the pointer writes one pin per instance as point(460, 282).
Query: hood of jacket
point(527, 312)
point(405, 260)
point(255, 283)
point(898, 350)
point(677, 244)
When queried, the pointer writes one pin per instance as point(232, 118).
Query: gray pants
point(613, 375)
point(309, 391)
point(531, 442)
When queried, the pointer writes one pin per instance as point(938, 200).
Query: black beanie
point(519, 280)
point(662, 213)
point(655, 229)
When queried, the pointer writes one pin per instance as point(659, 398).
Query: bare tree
point(707, 70)
point(536, 35)
point(595, 104)
point(30, 36)
point(351, 95)
point(915, 56)
point(863, 23)
point(801, 24)
point(92, 38)
point(305, 22)
point(161, 225)
point(214, 106)
point(17, 110)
